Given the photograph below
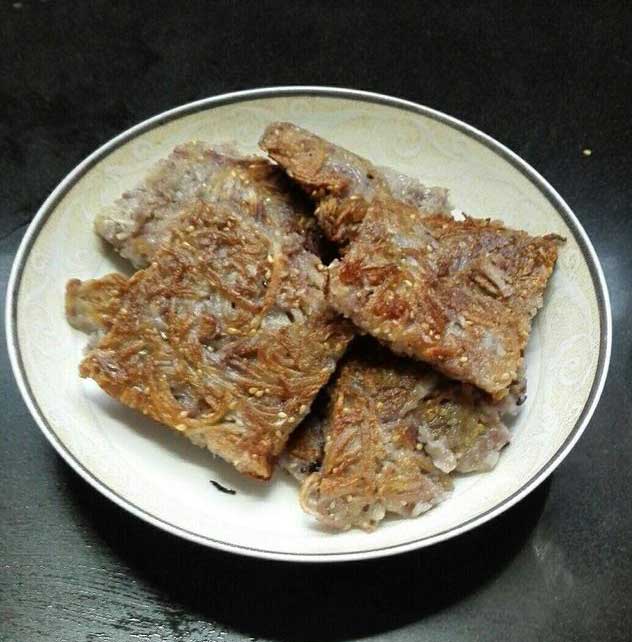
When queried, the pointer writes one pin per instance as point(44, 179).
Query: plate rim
point(49, 205)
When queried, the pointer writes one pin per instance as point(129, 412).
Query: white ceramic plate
point(165, 480)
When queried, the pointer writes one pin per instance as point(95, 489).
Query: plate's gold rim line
point(596, 272)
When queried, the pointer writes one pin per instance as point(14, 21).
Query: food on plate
point(342, 183)
point(225, 337)
point(391, 433)
point(457, 294)
point(373, 462)
point(138, 222)
point(232, 328)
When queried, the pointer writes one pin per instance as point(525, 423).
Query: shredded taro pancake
point(226, 336)
point(390, 434)
point(138, 222)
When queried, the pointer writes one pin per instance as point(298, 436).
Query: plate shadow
point(294, 601)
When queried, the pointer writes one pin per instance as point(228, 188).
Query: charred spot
point(223, 489)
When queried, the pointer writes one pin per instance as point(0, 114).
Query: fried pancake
point(342, 183)
point(457, 294)
point(393, 430)
point(373, 463)
point(226, 337)
point(460, 427)
point(138, 222)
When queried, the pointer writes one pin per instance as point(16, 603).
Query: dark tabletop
point(549, 83)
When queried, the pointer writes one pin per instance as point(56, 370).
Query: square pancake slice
point(226, 336)
point(391, 433)
point(459, 295)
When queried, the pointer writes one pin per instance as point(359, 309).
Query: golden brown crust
point(457, 294)
point(393, 431)
point(226, 337)
point(343, 183)
point(92, 305)
point(138, 222)
point(373, 463)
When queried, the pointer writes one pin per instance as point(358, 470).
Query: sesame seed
point(349, 498)
point(291, 419)
point(587, 152)
point(408, 283)
point(190, 228)
point(302, 408)
point(269, 258)
point(281, 414)
point(181, 427)
point(259, 394)
point(184, 413)
point(463, 359)
point(232, 331)
point(252, 391)
point(419, 447)
point(232, 405)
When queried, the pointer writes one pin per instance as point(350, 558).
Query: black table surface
point(548, 82)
